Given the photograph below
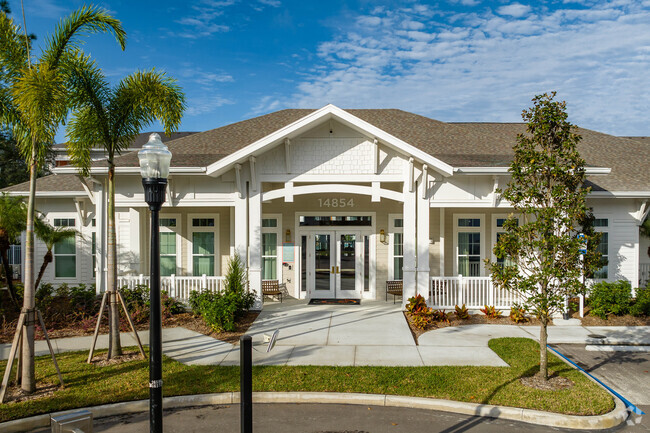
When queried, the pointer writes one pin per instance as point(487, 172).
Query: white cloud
point(516, 10)
point(205, 104)
point(272, 3)
point(203, 22)
point(482, 67)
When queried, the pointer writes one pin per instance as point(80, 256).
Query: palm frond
point(13, 50)
point(51, 235)
point(87, 20)
point(141, 98)
point(41, 99)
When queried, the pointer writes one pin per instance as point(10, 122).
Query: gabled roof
point(458, 145)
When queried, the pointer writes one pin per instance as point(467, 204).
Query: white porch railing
point(644, 274)
point(178, 287)
point(474, 292)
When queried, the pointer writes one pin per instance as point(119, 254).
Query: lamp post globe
point(155, 159)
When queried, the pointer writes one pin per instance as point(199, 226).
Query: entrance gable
point(331, 148)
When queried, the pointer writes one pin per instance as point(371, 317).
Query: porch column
point(134, 241)
point(423, 271)
point(442, 241)
point(409, 268)
point(255, 243)
point(100, 237)
point(240, 226)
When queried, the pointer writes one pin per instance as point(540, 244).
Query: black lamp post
point(154, 167)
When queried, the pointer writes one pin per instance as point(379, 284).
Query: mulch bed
point(611, 320)
point(15, 394)
point(474, 319)
point(186, 320)
point(554, 383)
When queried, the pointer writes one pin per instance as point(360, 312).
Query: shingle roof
point(143, 137)
point(457, 144)
point(50, 183)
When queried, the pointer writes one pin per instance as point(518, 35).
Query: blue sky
point(452, 60)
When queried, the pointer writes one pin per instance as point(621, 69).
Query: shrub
point(221, 310)
point(416, 304)
point(491, 312)
point(461, 312)
point(518, 314)
point(66, 304)
point(137, 301)
point(610, 298)
point(641, 305)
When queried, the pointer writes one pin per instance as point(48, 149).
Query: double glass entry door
point(336, 265)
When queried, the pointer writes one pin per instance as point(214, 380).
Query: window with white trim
point(204, 243)
point(65, 252)
point(602, 225)
point(270, 238)
point(168, 246)
point(498, 230)
point(396, 246)
point(469, 232)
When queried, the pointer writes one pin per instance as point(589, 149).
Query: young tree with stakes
point(112, 117)
point(548, 194)
point(34, 101)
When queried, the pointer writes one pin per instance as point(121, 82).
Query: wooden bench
point(271, 288)
point(395, 288)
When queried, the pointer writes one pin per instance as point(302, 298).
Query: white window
point(469, 235)
point(169, 245)
point(396, 247)
point(497, 230)
point(271, 242)
point(602, 225)
point(65, 252)
point(203, 237)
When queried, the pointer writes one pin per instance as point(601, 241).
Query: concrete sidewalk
point(374, 333)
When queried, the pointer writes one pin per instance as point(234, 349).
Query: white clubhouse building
point(334, 203)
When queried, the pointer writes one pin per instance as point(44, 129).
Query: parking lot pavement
point(628, 373)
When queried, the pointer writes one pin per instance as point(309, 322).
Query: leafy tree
point(12, 223)
point(112, 117)
point(547, 191)
point(34, 102)
point(50, 237)
point(645, 230)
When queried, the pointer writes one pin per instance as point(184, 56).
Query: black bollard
point(246, 382)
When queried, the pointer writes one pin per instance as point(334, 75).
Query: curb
point(597, 422)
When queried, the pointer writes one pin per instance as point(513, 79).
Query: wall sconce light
point(287, 237)
point(382, 236)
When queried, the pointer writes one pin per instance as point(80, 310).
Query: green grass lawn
point(89, 385)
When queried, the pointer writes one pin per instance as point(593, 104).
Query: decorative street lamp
point(154, 167)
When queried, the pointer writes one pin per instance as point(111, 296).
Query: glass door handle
point(338, 271)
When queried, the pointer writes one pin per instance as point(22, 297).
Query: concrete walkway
point(373, 333)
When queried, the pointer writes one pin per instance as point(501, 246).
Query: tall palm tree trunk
point(111, 278)
point(47, 259)
point(28, 381)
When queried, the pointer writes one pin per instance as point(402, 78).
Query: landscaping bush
point(221, 310)
point(610, 298)
point(422, 315)
point(137, 301)
point(66, 304)
point(641, 305)
point(518, 314)
point(461, 312)
point(491, 312)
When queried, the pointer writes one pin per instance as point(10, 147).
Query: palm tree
point(34, 102)
point(112, 117)
point(50, 237)
point(12, 223)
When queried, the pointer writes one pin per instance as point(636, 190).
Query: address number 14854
point(335, 202)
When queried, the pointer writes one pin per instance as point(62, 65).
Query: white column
point(255, 243)
point(241, 226)
point(409, 269)
point(134, 240)
point(423, 271)
point(100, 237)
point(442, 241)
